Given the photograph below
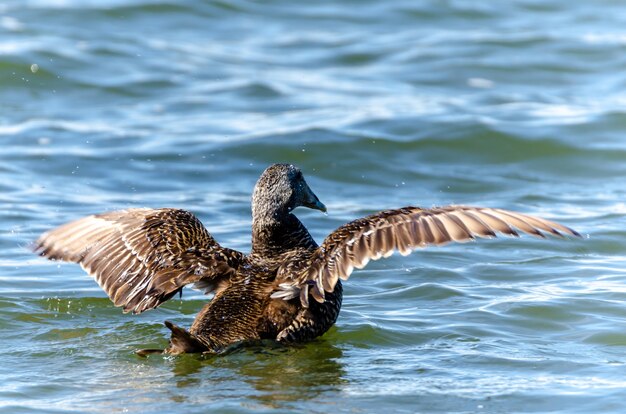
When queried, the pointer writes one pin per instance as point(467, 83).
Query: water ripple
point(114, 104)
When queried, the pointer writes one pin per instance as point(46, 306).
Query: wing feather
point(354, 244)
point(141, 257)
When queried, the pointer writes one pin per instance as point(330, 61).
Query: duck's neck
point(278, 233)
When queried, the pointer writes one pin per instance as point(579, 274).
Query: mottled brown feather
point(141, 257)
point(379, 235)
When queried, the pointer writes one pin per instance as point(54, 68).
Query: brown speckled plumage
point(143, 257)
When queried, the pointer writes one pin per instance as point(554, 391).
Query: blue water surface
point(521, 105)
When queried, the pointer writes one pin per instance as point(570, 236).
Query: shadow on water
point(276, 374)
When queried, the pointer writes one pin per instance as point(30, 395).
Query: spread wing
point(142, 257)
point(354, 244)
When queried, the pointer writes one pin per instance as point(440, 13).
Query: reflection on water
point(276, 374)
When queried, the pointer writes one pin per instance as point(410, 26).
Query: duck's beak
point(311, 200)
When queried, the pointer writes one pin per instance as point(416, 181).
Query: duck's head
point(280, 189)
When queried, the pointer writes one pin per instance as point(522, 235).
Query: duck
point(288, 288)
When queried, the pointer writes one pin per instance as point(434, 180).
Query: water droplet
point(34, 68)
point(480, 83)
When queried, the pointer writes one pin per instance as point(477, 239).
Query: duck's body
point(244, 311)
point(143, 257)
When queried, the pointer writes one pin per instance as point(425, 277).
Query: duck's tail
point(181, 341)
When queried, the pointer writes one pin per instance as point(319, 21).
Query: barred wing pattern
point(354, 244)
point(142, 257)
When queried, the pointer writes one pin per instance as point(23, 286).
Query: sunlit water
point(519, 105)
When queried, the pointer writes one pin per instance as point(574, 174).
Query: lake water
point(108, 104)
